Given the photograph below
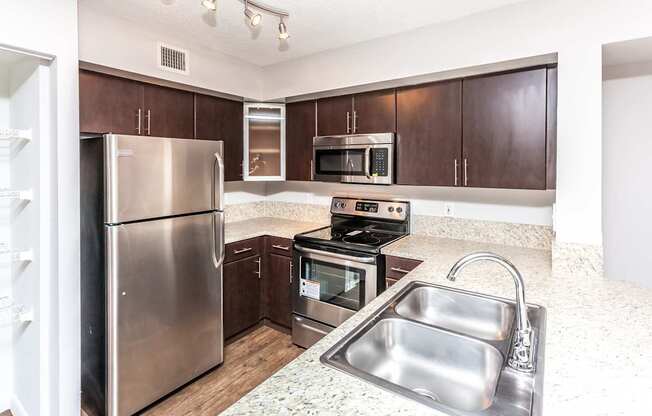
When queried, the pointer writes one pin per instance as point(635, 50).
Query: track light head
point(282, 31)
point(210, 4)
point(254, 18)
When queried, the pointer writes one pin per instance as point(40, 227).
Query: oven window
point(338, 285)
point(340, 162)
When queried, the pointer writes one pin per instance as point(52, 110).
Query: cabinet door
point(504, 129)
point(241, 295)
point(429, 134)
point(168, 112)
point(277, 278)
point(332, 115)
point(221, 119)
point(374, 112)
point(299, 131)
point(109, 104)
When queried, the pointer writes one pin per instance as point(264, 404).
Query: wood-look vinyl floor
point(247, 362)
point(6, 413)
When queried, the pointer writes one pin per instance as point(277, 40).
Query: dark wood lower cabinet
point(277, 289)
point(253, 291)
point(241, 295)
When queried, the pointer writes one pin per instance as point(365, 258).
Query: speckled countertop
point(598, 341)
point(278, 227)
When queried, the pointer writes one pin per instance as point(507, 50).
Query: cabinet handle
point(355, 121)
point(456, 166)
point(291, 267)
point(466, 173)
point(399, 270)
point(258, 272)
point(140, 116)
point(284, 248)
point(348, 122)
point(149, 122)
point(312, 171)
point(244, 250)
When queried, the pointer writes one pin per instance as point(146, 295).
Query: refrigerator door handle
point(218, 239)
point(218, 180)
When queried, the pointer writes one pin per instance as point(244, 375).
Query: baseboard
point(17, 408)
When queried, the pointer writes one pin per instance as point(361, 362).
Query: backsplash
point(518, 235)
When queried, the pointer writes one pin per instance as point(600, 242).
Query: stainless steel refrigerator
point(152, 248)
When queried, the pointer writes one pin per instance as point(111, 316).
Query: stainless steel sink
point(451, 369)
point(480, 317)
point(446, 349)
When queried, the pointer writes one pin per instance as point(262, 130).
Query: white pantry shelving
point(16, 195)
point(13, 256)
point(10, 135)
point(12, 313)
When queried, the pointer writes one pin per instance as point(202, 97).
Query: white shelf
point(15, 135)
point(24, 195)
point(11, 313)
point(14, 256)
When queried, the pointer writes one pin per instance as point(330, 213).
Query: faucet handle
point(521, 358)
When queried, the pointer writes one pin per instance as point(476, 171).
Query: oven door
point(330, 287)
point(353, 163)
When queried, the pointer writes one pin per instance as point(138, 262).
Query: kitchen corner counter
point(256, 227)
point(598, 359)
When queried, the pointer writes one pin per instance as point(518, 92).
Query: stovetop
point(368, 239)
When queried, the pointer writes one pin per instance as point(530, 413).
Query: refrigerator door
point(153, 177)
point(164, 300)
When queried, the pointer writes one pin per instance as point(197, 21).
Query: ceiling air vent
point(173, 59)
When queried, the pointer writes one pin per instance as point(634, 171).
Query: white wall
point(50, 27)
point(574, 29)
point(121, 44)
point(6, 381)
point(627, 141)
point(524, 207)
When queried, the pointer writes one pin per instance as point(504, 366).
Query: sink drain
point(426, 393)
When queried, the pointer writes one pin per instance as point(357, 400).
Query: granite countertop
point(598, 354)
point(256, 227)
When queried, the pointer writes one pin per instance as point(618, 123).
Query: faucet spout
point(521, 357)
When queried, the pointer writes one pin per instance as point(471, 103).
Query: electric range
point(338, 269)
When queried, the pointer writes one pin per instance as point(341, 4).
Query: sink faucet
point(521, 358)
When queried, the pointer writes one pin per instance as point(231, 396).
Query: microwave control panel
point(379, 162)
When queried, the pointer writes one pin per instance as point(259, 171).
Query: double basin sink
point(446, 349)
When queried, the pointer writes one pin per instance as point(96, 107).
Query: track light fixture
point(282, 30)
point(254, 17)
point(210, 4)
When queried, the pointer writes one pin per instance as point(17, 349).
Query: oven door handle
point(368, 260)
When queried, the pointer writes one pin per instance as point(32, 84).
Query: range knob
point(340, 204)
point(390, 209)
point(399, 209)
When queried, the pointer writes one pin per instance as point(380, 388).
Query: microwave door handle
point(367, 161)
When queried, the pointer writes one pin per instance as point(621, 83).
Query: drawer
point(397, 267)
point(242, 249)
point(278, 245)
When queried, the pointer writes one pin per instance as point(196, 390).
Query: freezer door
point(164, 300)
point(153, 177)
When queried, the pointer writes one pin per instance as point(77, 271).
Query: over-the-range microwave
point(358, 158)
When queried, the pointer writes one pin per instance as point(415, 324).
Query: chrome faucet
point(521, 358)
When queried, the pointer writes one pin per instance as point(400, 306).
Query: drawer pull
point(244, 250)
point(399, 270)
point(284, 248)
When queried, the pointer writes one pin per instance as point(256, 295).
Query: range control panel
point(391, 210)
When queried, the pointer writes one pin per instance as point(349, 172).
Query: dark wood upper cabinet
point(374, 112)
point(277, 280)
point(429, 134)
point(221, 119)
point(335, 115)
point(551, 131)
point(299, 131)
point(109, 104)
point(504, 130)
point(168, 112)
point(241, 287)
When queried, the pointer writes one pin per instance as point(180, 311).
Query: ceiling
point(314, 25)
